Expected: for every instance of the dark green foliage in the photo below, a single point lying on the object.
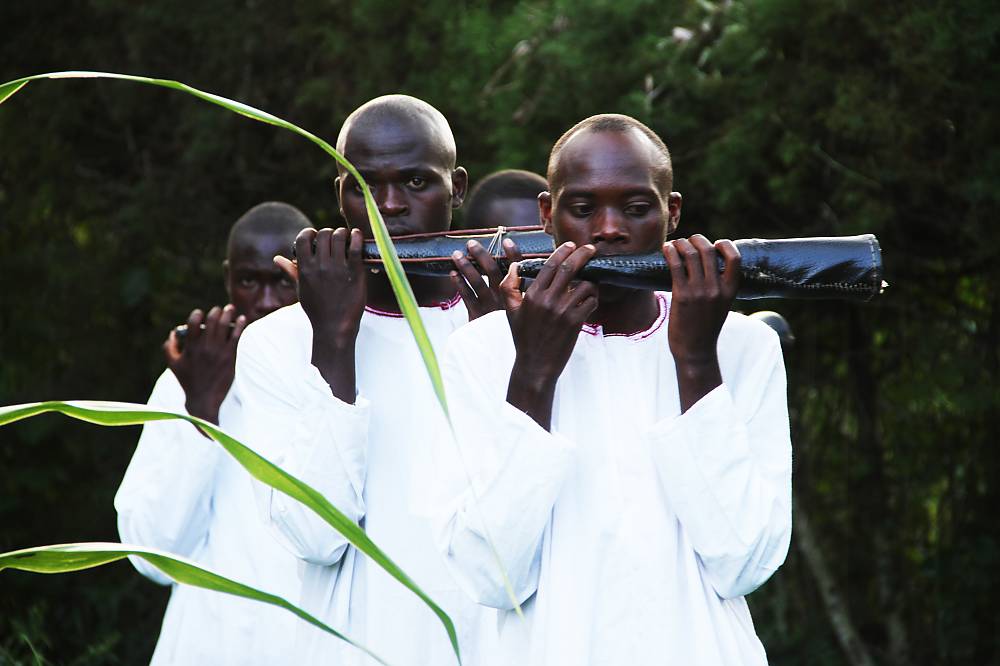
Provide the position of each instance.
(784, 118)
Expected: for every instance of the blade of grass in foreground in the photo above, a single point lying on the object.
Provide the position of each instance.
(400, 285)
(393, 268)
(67, 557)
(124, 413)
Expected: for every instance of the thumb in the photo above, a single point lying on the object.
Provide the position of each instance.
(290, 268)
(171, 349)
(510, 288)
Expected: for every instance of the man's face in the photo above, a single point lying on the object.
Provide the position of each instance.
(511, 212)
(410, 179)
(609, 195)
(255, 285)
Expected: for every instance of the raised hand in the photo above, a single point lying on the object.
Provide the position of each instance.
(207, 363)
(545, 322)
(700, 302)
(481, 297)
(332, 291)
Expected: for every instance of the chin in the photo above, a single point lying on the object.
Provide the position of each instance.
(612, 293)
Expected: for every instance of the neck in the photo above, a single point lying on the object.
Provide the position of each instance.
(624, 310)
(427, 290)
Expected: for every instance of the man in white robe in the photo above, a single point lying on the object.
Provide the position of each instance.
(629, 449)
(182, 493)
(334, 391)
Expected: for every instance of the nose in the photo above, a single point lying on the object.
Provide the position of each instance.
(391, 201)
(269, 301)
(608, 228)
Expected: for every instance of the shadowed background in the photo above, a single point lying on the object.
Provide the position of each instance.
(785, 118)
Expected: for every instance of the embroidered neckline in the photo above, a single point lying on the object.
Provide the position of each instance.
(664, 311)
(443, 305)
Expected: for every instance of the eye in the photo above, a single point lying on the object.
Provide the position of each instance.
(285, 282)
(637, 209)
(247, 283)
(580, 209)
(417, 183)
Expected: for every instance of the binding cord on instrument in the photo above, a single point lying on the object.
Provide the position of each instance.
(495, 248)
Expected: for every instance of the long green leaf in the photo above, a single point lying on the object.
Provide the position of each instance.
(391, 264)
(125, 413)
(394, 269)
(67, 557)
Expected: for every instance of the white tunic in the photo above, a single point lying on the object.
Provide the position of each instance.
(367, 459)
(182, 493)
(631, 532)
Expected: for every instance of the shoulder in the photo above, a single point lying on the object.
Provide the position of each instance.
(275, 345)
(277, 329)
(747, 331)
(748, 347)
(167, 391)
(482, 342)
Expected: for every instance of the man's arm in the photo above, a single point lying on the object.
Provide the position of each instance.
(308, 418)
(205, 367)
(726, 468)
(517, 466)
(517, 470)
(332, 290)
(725, 462)
(545, 324)
(290, 416)
(165, 498)
(699, 304)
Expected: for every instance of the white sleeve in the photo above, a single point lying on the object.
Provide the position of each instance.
(290, 416)
(517, 469)
(165, 499)
(726, 467)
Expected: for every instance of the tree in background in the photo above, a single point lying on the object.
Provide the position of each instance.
(785, 118)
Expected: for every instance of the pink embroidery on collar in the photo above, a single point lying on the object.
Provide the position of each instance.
(444, 305)
(664, 307)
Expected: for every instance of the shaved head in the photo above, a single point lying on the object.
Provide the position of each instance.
(272, 219)
(404, 150)
(256, 286)
(617, 123)
(399, 115)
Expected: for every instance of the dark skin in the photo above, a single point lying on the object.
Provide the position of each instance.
(416, 187)
(608, 199)
(511, 212)
(206, 366)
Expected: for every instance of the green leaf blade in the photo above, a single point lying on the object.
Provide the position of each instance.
(71, 557)
(125, 414)
(8, 89)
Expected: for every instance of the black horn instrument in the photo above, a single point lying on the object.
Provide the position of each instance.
(839, 267)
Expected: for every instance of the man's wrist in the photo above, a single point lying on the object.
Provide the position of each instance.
(334, 340)
(529, 379)
(204, 409)
(697, 365)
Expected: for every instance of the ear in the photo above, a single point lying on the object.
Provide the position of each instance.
(340, 200)
(459, 186)
(225, 278)
(545, 211)
(674, 201)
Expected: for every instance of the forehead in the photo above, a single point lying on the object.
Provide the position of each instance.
(256, 251)
(600, 161)
(392, 145)
(512, 212)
